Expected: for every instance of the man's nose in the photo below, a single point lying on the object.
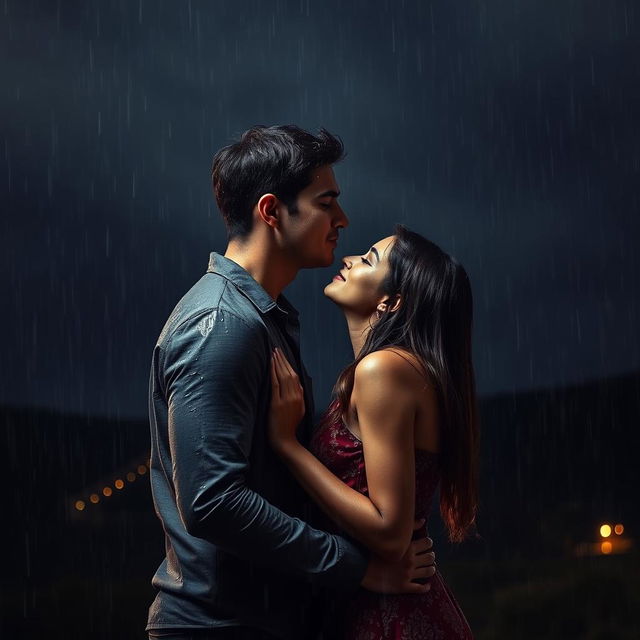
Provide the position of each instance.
(341, 219)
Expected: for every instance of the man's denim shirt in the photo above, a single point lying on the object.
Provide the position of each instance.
(238, 551)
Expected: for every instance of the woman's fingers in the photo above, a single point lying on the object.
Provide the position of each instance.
(421, 545)
(416, 587)
(288, 377)
(294, 381)
(275, 382)
(279, 366)
(282, 362)
(423, 572)
(288, 366)
(294, 375)
(279, 371)
(425, 559)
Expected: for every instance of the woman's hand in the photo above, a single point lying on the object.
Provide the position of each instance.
(287, 402)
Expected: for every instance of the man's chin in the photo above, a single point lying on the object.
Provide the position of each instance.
(329, 260)
(320, 263)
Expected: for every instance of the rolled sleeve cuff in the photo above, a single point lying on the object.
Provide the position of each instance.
(348, 572)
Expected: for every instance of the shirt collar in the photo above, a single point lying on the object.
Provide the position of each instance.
(232, 271)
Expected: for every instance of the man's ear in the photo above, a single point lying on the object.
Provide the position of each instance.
(267, 210)
(390, 305)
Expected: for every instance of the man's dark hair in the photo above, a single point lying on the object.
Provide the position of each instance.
(276, 160)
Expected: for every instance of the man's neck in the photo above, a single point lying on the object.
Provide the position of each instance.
(267, 266)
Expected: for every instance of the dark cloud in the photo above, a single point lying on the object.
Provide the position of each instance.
(506, 133)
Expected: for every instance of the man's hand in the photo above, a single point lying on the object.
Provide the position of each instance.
(417, 564)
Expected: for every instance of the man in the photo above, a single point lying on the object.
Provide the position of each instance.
(241, 560)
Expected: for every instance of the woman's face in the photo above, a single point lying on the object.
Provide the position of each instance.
(358, 285)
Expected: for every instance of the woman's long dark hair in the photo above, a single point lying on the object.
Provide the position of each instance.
(433, 322)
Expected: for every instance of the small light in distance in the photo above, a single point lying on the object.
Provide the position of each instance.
(142, 469)
(619, 529)
(605, 531)
(118, 484)
(131, 477)
(95, 498)
(107, 491)
(80, 505)
(606, 547)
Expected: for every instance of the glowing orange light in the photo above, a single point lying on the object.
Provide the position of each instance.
(118, 484)
(606, 547)
(80, 505)
(95, 498)
(131, 477)
(107, 491)
(605, 531)
(619, 529)
(142, 469)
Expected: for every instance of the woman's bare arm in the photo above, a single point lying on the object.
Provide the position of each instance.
(384, 397)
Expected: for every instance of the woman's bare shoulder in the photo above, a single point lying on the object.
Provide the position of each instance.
(392, 364)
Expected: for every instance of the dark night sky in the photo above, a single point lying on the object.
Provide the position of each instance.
(506, 131)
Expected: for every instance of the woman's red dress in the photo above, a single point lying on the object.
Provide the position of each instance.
(434, 615)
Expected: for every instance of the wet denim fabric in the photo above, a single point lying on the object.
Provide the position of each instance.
(239, 550)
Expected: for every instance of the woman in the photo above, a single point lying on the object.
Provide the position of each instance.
(403, 421)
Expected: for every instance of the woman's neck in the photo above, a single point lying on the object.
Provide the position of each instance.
(359, 329)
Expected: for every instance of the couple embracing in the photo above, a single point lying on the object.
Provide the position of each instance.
(276, 527)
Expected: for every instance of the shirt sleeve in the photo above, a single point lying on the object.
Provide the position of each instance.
(214, 368)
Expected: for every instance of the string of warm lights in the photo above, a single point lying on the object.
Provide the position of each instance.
(118, 484)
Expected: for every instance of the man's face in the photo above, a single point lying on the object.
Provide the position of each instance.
(310, 236)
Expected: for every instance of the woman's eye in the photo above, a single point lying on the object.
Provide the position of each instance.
(325, 205)
(366, 261)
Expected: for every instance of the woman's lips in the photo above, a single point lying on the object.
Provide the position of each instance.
(339, 277)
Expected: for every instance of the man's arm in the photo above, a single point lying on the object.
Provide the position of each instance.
(213, 369)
